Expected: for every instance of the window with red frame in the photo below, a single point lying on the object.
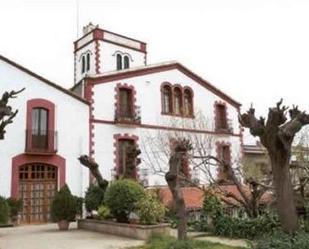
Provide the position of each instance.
(167, 99)
(221, 123)
(177, 101)
(188, 103)
(123, 149)
(125, 102)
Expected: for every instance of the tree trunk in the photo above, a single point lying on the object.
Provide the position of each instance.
(174, 184)
(284, 193)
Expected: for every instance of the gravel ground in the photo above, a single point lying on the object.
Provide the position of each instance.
(48, 236)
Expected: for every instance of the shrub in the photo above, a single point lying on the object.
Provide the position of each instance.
(283, 241)
(4, 211)
(122, 196)
(104, 212)
(150, 210)
(63, 206)
(94, 197)
(225, 225)
(79, 205)
(16, 205)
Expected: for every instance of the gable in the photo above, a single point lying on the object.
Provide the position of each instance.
(148, 70)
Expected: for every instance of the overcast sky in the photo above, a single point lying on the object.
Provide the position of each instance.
(254, 50)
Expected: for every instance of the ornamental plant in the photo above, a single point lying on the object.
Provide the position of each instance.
(4, 211)
(122, 197)
(104, 212)
(94, 197)
(63, 206)
(150, 210)
(16, 205)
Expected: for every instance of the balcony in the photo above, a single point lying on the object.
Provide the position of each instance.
(41, 142)
(128, 118)
(225, 127)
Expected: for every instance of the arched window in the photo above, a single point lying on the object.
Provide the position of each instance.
(126, 62)
(83, 64)
(177, 101)
(188, 103)
(119, 62)
(88, 62)
(167, 99)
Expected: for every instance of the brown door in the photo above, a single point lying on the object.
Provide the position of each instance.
(37, 186)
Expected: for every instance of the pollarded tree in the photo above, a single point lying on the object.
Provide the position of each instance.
(277, 134)
(6, 113)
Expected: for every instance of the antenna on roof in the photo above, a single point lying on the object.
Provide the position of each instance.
(77, 19)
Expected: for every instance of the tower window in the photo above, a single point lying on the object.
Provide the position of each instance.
(119, 62)
(167, 99)
(126, 62)
(88, 62)
(85, 63)
(188, 103)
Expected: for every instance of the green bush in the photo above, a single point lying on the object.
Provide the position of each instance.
(4, 211)
(104, 212)
(79, 205)
(16, 205)
(94, 197)
(223, 224)
(283, 241)
(150, 210)
(122, 196)
(63, 206)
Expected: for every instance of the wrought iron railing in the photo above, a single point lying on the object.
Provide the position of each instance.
(40, 141)
(125, 117)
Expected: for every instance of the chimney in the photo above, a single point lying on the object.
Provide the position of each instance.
(88, 28)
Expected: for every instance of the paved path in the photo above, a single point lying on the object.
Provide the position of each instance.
(47, 236)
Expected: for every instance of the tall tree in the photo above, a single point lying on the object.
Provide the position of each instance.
(6, 113)
(277, 134)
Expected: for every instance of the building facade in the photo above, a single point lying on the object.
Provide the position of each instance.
(136, 103)
(117, 101)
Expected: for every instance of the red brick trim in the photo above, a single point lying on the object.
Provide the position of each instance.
(117, 97)
(219, 146)
(23, 159)
(97, 57)
(118, 137)
(50, 107)
(162, 68)
(40, 78)
(169, 128)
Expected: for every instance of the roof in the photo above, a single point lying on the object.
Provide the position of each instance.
(254, 149)
(194, 197)
(155, 68)
(27, 71)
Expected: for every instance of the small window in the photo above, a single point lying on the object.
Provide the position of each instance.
(125, 102)
(83, 64)
(225, 155)
(221, 117)
(124, 167)
(188, 103)
(119, 62)
(177, 101)
(39, 128)
(126, 62)
(167, 99)
(88, 62)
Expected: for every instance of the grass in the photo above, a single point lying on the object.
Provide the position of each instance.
(166, 242)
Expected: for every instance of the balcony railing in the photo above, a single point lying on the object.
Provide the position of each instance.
(226, 128)
(41, 142)
(130, 118)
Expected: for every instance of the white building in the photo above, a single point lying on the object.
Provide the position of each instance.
(117, 99)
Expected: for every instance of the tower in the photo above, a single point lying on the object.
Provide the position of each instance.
(99, 51)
